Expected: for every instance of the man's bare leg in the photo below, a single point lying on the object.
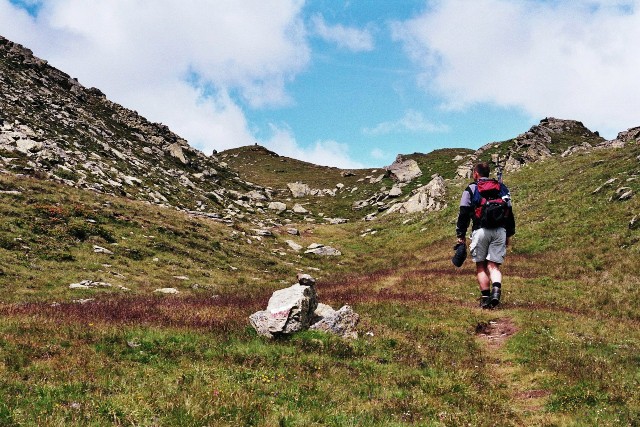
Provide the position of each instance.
(494, 272)
(483, 275)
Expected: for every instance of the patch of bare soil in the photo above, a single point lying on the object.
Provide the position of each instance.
(496, 332)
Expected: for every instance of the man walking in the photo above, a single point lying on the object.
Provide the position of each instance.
(487, 203)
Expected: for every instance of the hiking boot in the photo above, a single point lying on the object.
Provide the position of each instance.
(495, 296)
(485, 303)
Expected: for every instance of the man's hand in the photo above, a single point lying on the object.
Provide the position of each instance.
(461, 240)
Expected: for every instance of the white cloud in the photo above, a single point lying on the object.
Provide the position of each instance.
(412, 121)
(566, 59)
(377, 154)
(327, 153)
(174, 62)
(350, 38)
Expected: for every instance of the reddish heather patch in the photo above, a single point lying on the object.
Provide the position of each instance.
(359, 295)
(435, 272)
(221, 313)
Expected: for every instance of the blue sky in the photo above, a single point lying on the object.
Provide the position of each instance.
(346, 83)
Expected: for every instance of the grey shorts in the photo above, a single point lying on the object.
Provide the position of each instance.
(489, 245)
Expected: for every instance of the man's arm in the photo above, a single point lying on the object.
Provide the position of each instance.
(510, 226)
(464, 215)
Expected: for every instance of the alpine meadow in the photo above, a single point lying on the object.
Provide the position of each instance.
(130, 263)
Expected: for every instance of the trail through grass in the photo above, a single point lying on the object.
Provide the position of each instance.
(570, 314)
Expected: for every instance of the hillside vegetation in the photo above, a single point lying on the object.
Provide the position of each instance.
(130, 263)
(258, 165)
(566, 352)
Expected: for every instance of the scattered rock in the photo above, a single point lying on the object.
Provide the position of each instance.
(88, 284)
(342, 322)
(607, 183)
(465, 170)
(293, 245)
(262, 232)
(181, 277)
(623, 138)
(167, 291)
(324, 251)
(100, 250)
(371, 216)
(336, 221)
(375, 180)
(634, 223)
(395, 191)
(175, 150)
(299, 189)
(297, 208)
(27, 146)
(305, 279)
(622, 193)
(293, 231)
(277, 206)
(133, 343)
(585, 146)
(404, 170)
(297, 308)
(289, 310)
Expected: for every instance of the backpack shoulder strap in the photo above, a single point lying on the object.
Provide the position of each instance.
(469, 190)
(476, 198)
(504, 192)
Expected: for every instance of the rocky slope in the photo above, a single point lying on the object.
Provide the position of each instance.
(53, 127)
(550, 137)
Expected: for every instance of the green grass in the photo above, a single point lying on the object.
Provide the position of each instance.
(570, 290)
(258, 165)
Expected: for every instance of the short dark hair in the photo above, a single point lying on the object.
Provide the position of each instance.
(483, 169)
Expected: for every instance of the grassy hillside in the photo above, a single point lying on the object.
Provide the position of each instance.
(260, 166)
(561, 350)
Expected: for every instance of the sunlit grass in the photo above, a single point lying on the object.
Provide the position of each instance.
(138, 358)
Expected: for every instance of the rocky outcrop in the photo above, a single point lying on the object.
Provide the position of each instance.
(550, 137)
(430, 197)
(289, 310)
(585, 146)
(404, 170)
(465, 170)
(299, 189)
(628, 136)
(297, 308)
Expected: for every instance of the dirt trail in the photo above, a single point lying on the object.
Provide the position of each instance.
(494, 335)
(496, 332)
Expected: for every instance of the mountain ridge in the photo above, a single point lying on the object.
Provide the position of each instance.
(88, 336)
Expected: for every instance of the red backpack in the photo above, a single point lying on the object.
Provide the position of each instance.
(490, 202)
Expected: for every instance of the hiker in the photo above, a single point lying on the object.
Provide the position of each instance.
(487, 203)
